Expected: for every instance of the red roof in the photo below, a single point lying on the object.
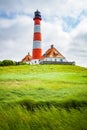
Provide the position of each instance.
(27, 58)
(52, 52)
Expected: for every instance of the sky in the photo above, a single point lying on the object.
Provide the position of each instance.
(64, 24)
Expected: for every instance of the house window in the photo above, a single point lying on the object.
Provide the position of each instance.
(61, 60)
(45, 55)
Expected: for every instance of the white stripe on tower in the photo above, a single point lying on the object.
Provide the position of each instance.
(36, 44)
(37, 28)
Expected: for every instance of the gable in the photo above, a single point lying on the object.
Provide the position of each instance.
(52, 52)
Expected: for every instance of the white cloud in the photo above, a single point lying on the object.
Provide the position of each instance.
(15, 37)
(78, 45)
(49, 8)
(53, 34)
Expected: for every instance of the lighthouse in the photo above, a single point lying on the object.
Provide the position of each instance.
(37, 50)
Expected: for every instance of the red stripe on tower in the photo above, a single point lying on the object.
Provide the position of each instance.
(37, 50)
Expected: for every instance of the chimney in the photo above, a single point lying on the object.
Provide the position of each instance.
(51, 46)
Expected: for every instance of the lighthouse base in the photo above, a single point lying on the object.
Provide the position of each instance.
(35, 61)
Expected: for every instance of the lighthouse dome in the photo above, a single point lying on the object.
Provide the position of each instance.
(37, 14)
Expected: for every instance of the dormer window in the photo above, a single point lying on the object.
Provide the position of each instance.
(55, 53)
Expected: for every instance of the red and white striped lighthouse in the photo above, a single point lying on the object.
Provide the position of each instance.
(37, 50)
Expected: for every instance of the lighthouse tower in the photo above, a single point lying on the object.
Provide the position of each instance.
(37, 50)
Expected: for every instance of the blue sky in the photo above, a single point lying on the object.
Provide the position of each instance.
(64, 24)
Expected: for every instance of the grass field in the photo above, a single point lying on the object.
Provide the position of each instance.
(43, 97)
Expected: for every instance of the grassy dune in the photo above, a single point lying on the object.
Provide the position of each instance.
(43, 97)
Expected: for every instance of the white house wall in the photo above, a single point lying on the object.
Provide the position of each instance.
(55, 59)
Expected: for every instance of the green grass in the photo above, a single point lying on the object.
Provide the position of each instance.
(43, 97)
